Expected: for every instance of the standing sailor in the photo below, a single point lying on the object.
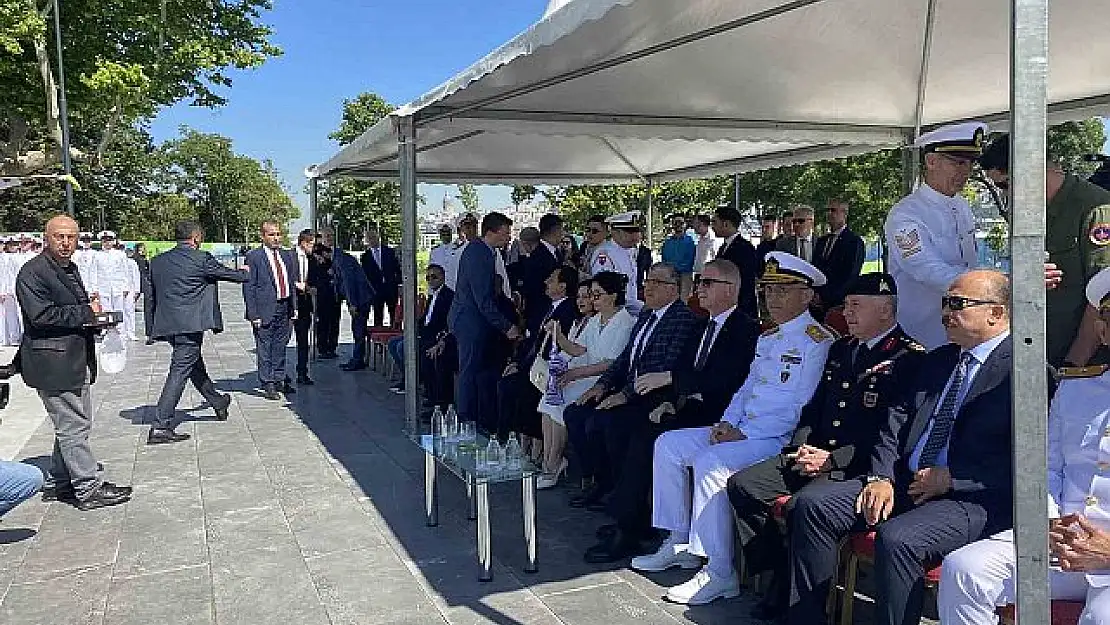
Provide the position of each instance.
(619, 254)
(112, 274)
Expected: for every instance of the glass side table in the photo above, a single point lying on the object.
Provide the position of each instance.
(462, 458)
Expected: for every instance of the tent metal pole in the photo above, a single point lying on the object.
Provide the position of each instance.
(1028, 95)
(650, 221)
(923, 75)
(313, 199)
(736, 192)
(406, 153)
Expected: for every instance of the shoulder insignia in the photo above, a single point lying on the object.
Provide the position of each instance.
(602, 258)
(1100, 234)
(817, 333)
(908, 242)
(1091, 371)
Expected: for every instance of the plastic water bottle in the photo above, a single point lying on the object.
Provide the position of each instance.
(513, 454)
(493, 454)
(452, 422)
(437, 423)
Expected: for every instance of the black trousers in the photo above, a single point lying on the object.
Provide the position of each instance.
(478, 376)
(383, 304)
(148, 308)
(186, 364)
(630, 503)
(302, 327)
(270, 341)
(438, 375)
(600, 439)
(327, 323)
(824, 512)
(517, 403)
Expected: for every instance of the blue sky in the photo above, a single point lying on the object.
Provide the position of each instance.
(336, 49)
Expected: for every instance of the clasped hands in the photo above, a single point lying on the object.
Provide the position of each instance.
(725, 432)
(1078, 544)
(810, 461)
(598, 392)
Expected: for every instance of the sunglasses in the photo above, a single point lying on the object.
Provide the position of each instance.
(595, 230)
(958, 302)
(800, 221)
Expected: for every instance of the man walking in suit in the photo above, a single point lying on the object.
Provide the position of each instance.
(941, 471)
(598, 423)
(379, 261)
(759, 420)
(694, 393)
(186, 302)
(475, 320)
(865, 373)
(271, 305)
(307, 281)
(800, 243)
(57, 357)
(726, 224)
(839, 255)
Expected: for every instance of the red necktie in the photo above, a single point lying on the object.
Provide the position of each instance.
(282, 292)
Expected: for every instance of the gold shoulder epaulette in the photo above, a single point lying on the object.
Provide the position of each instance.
(1090, 371)
(818, 333)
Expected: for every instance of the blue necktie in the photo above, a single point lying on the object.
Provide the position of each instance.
(946, 416)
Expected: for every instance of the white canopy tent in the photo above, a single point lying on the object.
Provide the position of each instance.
(655, 90)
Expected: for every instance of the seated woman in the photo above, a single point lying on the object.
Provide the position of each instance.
(595, 348)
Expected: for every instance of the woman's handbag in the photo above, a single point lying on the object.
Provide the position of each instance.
(538, 375)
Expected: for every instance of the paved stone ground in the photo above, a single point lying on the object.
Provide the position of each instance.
(307, 512)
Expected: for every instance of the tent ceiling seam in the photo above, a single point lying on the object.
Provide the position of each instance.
(622, 157)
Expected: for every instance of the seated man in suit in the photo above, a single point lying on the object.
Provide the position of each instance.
(431, 329)
(598, 424)
(942, 466)
(864, 373)
(757, 423)
(981, 576)
(698, 389)
(517, 397)
(839, 255)
(271, 304)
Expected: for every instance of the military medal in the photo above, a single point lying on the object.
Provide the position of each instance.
(870, 400)
(785, 376)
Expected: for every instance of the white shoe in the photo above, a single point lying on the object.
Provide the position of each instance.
(668, 556)
(705, 587)
(551, 480)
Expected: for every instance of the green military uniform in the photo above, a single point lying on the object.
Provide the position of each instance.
(1078, 242)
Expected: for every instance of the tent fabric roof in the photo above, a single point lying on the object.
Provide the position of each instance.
(627, 90)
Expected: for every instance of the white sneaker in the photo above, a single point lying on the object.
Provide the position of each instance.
(668, 556)
(705, 587)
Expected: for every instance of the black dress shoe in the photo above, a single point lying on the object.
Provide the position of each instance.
(288, 388)
(617, 548)
(221, 408)
(63, 493)
(108, 494)
(150, 341)
(162, 437)
(353, 366)
(600, 504)
(590, 497)
(270, 391)
(768, 611)
(304, 380)
(605, 532)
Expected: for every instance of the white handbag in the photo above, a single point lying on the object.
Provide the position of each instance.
(540, 373)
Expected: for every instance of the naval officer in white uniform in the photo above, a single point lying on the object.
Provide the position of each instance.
(977, 578)
(931, 232)
(756, 425)
(619, 254)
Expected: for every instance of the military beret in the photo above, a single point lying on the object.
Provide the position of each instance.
(875, 283)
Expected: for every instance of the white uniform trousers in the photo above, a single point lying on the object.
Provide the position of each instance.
(981, 576)
(708, 521)
(129, 317)
(13, 322)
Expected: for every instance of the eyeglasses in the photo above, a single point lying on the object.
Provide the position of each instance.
(958, 302)
(657, 281)
(801, 220)
(957, 160)
(596, 230)
(712, 281)
(598, 294)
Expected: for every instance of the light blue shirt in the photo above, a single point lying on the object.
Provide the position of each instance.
(979, 355)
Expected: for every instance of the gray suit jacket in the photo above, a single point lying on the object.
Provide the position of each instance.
(184, 292)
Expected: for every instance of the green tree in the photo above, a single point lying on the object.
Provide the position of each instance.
(1070, 141)
(468, 197)
(522, 193)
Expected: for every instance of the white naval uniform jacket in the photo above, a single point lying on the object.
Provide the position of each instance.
(87, 267)
(611, 257)
(1079, 454)
(112, 273)
(931, 241)
(787, 367)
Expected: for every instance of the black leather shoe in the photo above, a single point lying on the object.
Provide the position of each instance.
(598, 504)
(108, 494)
(304, 380)
(270, 391)
(605, 532)
(221, 408)
(150, 341)
(591, 496)
(617, 548)
(288, 388)
(161, 437)
(353, 366)
(63, 493)
(768, 611)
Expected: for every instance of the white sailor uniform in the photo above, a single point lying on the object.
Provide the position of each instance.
(611, 257)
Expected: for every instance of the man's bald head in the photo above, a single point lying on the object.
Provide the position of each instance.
(61, 237)
(976, 307)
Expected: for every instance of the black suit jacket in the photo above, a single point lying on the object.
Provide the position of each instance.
(528, 276)
(662, 352)
(853, 399)
(385, 279)
(841, 265)
(437, 324)
(726, 366)
(529, 349)
(980, 450)
(57, 351)
(314, 277)
(184, 293)
(742, 253)
(761, 250)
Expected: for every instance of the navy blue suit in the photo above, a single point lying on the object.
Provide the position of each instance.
(528, 276)
(476, 324)
(269, 312)
(352, 285)
(978, 505)
(742, 253)
(385, 279)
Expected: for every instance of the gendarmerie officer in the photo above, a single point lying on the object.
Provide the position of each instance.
(931, 232)
(864, 373)
(57, 357)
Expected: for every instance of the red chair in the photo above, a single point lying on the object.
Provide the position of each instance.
(379, 336)
(860, 547)
(1063, 613)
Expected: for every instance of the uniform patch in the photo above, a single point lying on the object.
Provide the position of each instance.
(784, 376)
(817, 333)
(870, 400)
(1100, 234)
(792, 359)
(908, 241)
(602, 258)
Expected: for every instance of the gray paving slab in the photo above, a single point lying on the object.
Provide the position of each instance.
(179, 597)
